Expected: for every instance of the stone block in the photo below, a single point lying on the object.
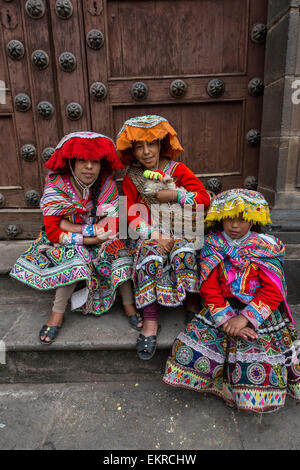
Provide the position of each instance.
(276, 51)
(290, 178)
(288, 200)
(268, 163)
(273, 109)
(277, 8)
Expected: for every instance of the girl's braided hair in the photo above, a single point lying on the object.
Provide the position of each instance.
(96, 188)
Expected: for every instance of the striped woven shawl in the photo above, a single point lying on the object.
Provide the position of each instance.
(58, 200)
(264, 251)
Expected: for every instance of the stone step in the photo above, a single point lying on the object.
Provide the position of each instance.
(11, 250)
(88, 348)
(131, 415)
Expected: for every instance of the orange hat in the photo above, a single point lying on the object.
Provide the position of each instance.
(147, 128)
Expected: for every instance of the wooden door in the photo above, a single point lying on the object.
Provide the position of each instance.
(89, 65)
(199, 64)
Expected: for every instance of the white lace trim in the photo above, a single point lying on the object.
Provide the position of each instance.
(281, 358)
(256, 357)
(220, 358)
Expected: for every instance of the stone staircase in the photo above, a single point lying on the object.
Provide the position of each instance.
(90, 391)
(87, 348)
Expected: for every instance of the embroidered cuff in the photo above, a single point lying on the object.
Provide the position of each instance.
(221, 314)
(181, 197)
(70, 238)
(89, 230)
(191, 198)
(255, 313)
(184, 197)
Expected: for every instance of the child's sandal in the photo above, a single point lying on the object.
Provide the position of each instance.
(134, 320)
(146, 345)
(50, 332)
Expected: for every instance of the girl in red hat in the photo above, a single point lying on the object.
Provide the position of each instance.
(78, 248)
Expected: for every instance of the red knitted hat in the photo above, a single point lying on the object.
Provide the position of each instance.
(85, 145)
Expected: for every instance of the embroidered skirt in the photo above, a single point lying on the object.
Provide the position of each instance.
(46, 266)
(162, 276)
(252, 375)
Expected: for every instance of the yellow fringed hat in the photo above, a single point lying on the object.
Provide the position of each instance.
(235, 202)
(147, 128)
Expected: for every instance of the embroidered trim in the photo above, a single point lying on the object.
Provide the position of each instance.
(71, 238)
(89, 230)
(221, 314)
(256, 357)
(256, 313)
(201, 348)
(181, 198)
(82, 135)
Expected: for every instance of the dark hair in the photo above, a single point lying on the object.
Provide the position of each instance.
(97, 186)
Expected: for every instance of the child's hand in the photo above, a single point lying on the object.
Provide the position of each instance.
(165, 243)
(104, 236)
(247, 334)
(234, 325)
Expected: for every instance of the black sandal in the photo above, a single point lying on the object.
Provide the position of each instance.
(50, 332)
(146, 346)
(134, 320)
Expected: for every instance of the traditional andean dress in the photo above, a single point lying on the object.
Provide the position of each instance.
(246, 277)
(58, 258)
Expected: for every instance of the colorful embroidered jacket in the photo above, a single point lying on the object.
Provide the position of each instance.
(182, 176)
(250, 273)
(61, 201)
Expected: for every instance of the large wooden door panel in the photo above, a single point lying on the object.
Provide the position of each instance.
(91, 64)
(159, 37)
(196, 63)
(211, 133)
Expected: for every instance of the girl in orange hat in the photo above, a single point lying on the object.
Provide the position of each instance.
(165, 270)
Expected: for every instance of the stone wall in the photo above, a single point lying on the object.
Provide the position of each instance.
(279, 171)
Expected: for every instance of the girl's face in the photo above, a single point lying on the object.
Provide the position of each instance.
(236, 228)
(87, 170)
(147, 153)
